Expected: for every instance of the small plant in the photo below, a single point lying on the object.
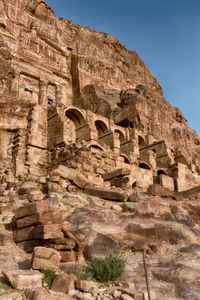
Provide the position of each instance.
(108, 269)
(84, 274)
(125, 208)
(5, 287)
(48, 278)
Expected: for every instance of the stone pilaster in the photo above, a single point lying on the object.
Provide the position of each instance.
(14, 87)
(43, 93)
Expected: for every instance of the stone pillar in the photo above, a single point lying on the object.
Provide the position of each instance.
(14, 88)
(60, 95)
(43, 93)
(116, 143)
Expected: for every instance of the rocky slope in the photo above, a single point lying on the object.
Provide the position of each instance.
(169, 234)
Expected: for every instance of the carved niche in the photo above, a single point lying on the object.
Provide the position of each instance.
(29, 89)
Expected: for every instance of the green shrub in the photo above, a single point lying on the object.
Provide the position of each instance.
(125, 208)
(83, 273)
(48, 278)
(108, 269)
(5, 287)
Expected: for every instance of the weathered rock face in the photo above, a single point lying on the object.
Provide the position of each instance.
(62, 84)
(80, 113)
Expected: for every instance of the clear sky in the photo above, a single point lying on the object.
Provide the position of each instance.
(164, 33)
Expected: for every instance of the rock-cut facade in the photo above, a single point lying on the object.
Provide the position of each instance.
(75, 97)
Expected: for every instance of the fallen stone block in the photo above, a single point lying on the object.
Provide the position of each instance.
(69, 246)
(65, 172)
(94, 180)
(134, 197)
(24, 279)
(80, 180)
(33, 208)
(24, 234)
(45, 218)
(126, 297)
(45, 259)
(68, 256)
(116, 173)
(159, 190)
(105, 193)
(6, 238)
(134, 294)
(43, 294)
(86, 286)
(51, 231)
(60, 244)
(5, 210)
(64, 283)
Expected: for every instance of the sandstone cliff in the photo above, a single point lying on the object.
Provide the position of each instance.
(83, 123)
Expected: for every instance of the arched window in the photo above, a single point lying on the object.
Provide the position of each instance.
(159, 172)
(101, 128)
(126, 160)
(76, 116)
(96, 147)
(121, 136)
(143, 165)
(141, 142)
(104, 135)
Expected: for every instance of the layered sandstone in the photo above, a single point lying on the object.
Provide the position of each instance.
(84, 124)
(62, 84)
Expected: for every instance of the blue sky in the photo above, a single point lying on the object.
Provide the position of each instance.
(164, 33)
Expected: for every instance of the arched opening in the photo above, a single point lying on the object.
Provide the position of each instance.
(121, 136)
(145, 166)
(96, 147)
(76, 116)
(101, 128)
(105, 137)
(134, 184)
(141, 142)
(126, 160)
(158, 178)
(161, 172)
(76, 126)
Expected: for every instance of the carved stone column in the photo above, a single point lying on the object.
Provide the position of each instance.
(59, 95)
(43, 93)
(14, 87)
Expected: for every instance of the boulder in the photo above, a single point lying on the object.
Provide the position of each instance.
(43, 294)
(87, 286)
(45, 259)
(116, 173)
(49, 217)
(34, 208)
(106, 193)
(80, 180)
(51, 231)
(64, 172)
(68, 256)
(24, 279)
(6, 238)
(159, 190)
(64, 283)
(6, 209)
